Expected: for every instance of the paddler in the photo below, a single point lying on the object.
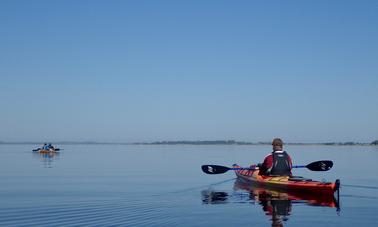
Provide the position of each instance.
(51, 147)
(45, 147)
(278, 163)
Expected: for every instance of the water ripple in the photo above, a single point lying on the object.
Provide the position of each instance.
(360, 186)
(114, 212)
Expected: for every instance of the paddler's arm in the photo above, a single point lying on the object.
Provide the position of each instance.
(266, 165)
(254, 166)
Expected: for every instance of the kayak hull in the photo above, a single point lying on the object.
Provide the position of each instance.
(264, 194)
(286, 183)
(47, 151)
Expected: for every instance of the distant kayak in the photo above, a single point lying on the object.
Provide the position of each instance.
(286, 182)
(43, 151)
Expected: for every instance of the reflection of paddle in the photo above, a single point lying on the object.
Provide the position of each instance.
(314, 166)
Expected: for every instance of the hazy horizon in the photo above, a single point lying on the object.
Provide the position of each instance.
(130, 71)
(199, 142)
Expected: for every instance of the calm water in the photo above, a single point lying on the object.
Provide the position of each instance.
(164, 186)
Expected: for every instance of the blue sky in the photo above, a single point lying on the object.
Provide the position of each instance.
(131, 71)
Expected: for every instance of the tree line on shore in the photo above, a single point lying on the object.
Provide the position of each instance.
(201, 142)
(233, 142)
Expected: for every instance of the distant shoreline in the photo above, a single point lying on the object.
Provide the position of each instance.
(199, 142)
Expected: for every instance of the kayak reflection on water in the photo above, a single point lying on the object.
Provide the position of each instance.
(276, 204)
(47, 158)
(278, 209)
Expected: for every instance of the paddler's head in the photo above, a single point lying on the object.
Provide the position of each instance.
(277, 144)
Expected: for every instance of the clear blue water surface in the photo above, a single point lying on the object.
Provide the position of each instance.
(163, 185)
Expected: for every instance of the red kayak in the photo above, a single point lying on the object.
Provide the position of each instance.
(262, 193)
(287, 183)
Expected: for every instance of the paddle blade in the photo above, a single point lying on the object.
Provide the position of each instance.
(214, 169)
(324, 165)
